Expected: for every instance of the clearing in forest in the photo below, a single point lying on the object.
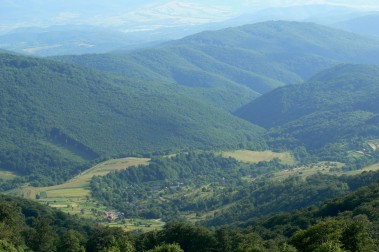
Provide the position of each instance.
(258, 156)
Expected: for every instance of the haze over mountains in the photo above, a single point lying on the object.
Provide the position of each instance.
(78, 28)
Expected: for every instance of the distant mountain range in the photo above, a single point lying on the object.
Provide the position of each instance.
(365, 24)
(230, 67)
(63, 30)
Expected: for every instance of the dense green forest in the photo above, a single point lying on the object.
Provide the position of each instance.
(333, 108)
(230, 67)
(348, 223)
(56, 119)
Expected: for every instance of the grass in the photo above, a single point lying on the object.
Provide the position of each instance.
(308, 170)
(374, 144)
(138, 224)
(7, 175)
(258, 156)
(322, 167)
(78, 187)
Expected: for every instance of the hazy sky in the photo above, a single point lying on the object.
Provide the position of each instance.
(24, 13)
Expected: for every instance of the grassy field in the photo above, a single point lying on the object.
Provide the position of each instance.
(78, 187)
(322, 167)
(258, 156)
(374, 144)
(7, 175)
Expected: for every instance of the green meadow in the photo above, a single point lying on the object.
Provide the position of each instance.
(258, 156)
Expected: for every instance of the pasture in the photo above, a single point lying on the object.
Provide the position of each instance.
(249, 156)
(7, 175)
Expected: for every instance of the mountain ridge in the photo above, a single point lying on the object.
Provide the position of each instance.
(245, 61)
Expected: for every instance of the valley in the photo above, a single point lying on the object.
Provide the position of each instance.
(258, 138)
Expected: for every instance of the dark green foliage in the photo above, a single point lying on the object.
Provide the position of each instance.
(167, 248)
(56, 119)
(138, 191)
(268, 197)
(72, 241)
(110, 239)
(338, 234)
(228, 67)
(336, 105)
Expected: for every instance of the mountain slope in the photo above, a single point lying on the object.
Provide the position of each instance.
(56, 117)
(338, 103)
(243, 61)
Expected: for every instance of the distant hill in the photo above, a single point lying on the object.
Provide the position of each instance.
(228, 67)
(56, 118)
(60, 40)
(325, 14)
(366, 24)
(339, 103)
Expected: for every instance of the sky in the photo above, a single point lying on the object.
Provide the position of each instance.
(116, 13)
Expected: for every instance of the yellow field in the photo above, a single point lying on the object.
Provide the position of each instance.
(258, 156)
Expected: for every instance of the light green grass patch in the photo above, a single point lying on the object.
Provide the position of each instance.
(7, 175)
(249, 156)
(139, 224)
(374, 144)
(308, 170)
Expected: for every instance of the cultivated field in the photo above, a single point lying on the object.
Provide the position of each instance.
(74, 196)
(258, 156)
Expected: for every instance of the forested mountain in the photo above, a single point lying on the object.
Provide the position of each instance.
(339, 103)
(55, 118)
(228, 67)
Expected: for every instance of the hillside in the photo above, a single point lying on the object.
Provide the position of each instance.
(229, 67)
(57, 118)
(339, 103)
